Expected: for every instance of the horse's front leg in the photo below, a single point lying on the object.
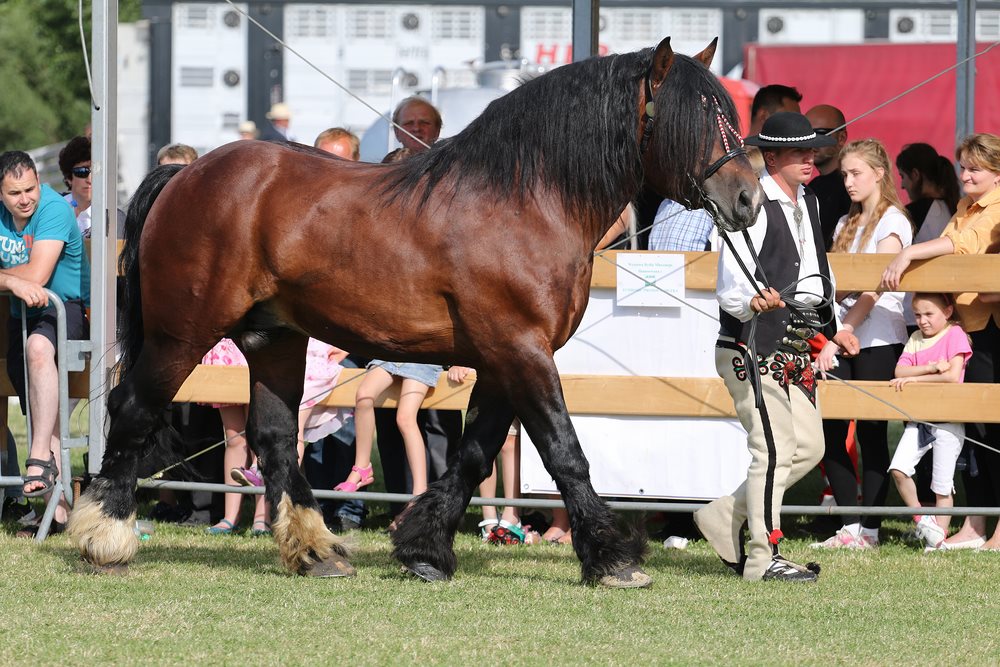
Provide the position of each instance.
(608, 556)
(423, 541)
(306, 545)
(102, 523)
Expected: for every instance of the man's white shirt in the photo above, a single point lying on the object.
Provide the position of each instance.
(734, 291)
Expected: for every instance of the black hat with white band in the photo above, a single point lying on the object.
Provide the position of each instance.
(787, 129)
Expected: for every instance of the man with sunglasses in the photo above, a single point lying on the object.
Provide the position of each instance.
(74, 163)
(828, 186)
(41, 244)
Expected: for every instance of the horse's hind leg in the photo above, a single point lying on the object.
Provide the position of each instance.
(102, 522)
(607, 555)
(277, 371)
(423, 540)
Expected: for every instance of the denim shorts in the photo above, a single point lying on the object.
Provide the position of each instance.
(423, 373)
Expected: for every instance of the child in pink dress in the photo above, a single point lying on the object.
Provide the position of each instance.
(238, 455)
(315, 422)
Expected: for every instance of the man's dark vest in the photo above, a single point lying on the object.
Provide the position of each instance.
(779, 256)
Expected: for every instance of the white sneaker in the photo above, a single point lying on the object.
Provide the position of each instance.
(842, 539)
(930, 531)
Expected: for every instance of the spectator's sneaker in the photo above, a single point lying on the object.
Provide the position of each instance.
(974, 543)
(197, 518)
(22, 512)
(842, 539)
(168, 513)
(247, 476)
(865, 542)
(930, 531)
(348, 523)
(785, 570)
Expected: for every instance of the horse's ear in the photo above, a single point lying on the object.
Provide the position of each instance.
(663, 58)
(705, 57)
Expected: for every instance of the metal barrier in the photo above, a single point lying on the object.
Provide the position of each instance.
(72, 356)
(545, 503)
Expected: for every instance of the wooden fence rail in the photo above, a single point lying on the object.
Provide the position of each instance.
(692, 397)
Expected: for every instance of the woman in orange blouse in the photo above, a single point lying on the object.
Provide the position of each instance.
(974, 230)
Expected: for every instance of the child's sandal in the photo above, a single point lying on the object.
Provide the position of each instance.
(366, 474)
(224, 527)
(486, 528)
(507, 533)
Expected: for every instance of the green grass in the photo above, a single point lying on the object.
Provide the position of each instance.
(226, 600)
(193, 598)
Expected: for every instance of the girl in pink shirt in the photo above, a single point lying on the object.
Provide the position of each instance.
(937, 352)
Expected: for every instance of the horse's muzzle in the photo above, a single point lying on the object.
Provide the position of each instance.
(742, 210)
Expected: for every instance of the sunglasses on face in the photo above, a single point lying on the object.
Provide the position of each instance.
(81, 172)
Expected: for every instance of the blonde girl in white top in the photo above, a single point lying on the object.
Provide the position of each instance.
(875, 223)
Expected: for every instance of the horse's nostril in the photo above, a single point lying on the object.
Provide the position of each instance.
(746, 199)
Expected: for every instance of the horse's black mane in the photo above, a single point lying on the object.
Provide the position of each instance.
(574, 131)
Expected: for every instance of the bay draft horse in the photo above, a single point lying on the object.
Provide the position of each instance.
(476, 252)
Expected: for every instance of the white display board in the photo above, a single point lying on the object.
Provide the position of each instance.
(656, 457)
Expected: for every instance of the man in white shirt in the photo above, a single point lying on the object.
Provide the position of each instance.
(784, 427)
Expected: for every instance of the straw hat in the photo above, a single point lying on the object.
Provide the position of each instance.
(248, 127)
(279, 111)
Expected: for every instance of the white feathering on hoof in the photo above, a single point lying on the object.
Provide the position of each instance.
(302, 536)
(101, 540)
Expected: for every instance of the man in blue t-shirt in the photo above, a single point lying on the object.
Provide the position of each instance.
(40, 246)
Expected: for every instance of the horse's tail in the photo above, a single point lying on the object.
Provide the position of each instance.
(165, 446)
(131, 334)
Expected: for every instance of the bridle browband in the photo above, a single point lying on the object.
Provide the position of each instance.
(726, 130)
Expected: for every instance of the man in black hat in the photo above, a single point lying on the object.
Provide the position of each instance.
(780, 412)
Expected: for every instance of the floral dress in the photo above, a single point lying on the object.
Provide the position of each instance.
(320, 379)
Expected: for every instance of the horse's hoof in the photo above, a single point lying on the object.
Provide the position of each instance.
(627, 577)
(334, 566)
(111, 570)
(425, 571)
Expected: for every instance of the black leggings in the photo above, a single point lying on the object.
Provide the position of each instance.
(873, 363)
(983, 490)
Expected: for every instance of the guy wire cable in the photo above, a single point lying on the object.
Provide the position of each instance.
(326, 76)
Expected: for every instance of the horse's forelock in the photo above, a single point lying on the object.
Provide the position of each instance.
(685, 126)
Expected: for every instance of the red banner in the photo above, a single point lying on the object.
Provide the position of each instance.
(857, 78)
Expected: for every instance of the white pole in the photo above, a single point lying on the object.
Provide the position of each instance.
(104, 232)
(586, 20)
(965, 76)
